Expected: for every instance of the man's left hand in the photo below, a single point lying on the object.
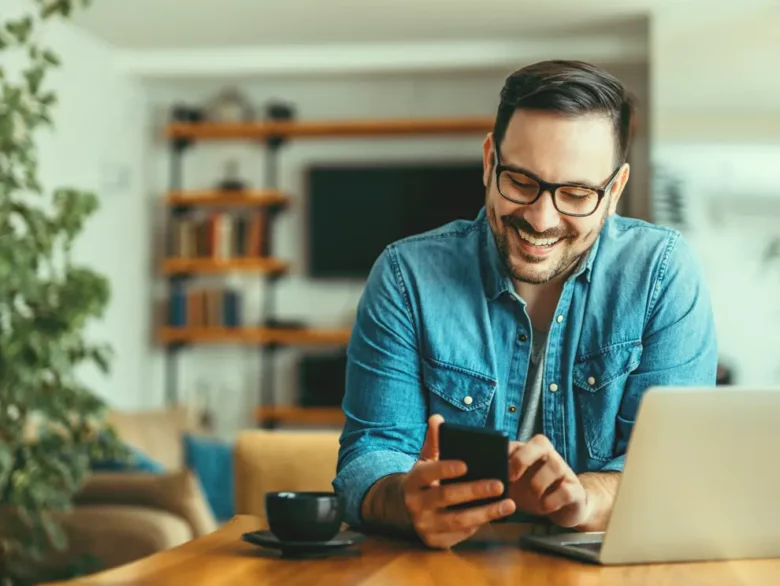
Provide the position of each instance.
(543, 484)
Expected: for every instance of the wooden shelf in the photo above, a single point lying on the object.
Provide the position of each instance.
(273, 266)
(300, 415)
(282, 336)
(246, 198)
(335, 128)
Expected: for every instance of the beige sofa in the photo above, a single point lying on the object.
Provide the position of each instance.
(123, 516)
(120, 517)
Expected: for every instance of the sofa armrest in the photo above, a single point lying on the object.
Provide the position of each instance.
(177, 492)
(120, 534)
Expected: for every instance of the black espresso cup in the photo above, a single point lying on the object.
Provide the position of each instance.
(304, 516)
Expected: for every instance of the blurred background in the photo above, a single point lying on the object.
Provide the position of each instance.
(704, 161)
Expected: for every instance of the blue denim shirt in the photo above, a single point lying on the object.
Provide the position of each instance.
(439, 321)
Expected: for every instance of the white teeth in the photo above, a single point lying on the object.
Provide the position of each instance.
(537, 241)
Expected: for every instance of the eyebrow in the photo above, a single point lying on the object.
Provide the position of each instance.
(535, 176)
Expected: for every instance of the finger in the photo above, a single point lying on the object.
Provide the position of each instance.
(564, 495)
(527, 455)
(473, 517)
(423, 474)
(462, 492)
(430, 449)
(552, 471)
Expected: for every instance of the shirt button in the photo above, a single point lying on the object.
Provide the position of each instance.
(512, 408)
(468, 400)
(553, 387)
(591, 381)
(559, 319)
(523, 337)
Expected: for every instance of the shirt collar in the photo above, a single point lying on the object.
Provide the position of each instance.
(496, 279)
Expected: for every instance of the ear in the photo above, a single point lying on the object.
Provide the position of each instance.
(487, 159)
(618, 185)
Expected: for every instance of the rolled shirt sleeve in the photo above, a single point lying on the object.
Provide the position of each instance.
(384, 403)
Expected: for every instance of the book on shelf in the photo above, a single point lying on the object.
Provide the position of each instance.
(218, 235)
(203, 308)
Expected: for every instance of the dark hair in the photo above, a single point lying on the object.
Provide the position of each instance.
(568, 87)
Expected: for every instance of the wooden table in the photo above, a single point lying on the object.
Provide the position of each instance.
(223, 559)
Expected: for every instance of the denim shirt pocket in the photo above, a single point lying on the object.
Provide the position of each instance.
(599, 380)
(457, 394)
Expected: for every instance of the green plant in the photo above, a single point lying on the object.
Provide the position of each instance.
(51, 424)
(772, 252)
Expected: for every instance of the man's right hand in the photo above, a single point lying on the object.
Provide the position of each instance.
(427, 500)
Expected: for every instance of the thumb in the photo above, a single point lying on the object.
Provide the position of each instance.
(430, 449)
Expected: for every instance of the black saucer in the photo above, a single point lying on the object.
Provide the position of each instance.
(303, 548)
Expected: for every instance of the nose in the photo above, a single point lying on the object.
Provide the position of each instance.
(542, 214)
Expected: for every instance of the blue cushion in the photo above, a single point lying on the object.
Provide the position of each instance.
(212, 461)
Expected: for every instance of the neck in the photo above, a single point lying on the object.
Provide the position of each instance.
(542, 300)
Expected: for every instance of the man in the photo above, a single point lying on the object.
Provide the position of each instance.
(546, 317)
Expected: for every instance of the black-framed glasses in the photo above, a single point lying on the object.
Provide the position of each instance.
(523, 187)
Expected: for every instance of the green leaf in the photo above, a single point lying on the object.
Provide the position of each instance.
(34, 78)
(6, 464)
(54, 532)
(44, 118)
(51, 58)
(48, 99)
(46, 302)
(52, 8)
(20, 29)
(102, 357)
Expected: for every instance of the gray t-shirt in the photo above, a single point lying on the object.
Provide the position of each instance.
(531, 413)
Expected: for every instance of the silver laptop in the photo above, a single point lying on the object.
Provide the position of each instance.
(701, 482)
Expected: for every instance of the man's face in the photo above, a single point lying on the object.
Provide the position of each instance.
(536, 242)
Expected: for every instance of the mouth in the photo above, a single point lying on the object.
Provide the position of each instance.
(535, 246)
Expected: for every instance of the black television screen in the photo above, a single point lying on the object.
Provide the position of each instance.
(355, 211)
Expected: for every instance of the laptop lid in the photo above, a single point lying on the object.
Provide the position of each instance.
(701, 479)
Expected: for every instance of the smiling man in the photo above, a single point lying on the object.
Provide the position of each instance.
(546, 317)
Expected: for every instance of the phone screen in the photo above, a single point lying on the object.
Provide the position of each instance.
(485, 452)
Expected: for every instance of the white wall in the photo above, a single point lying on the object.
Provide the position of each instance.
(733, 211)
(716, 124)
(97, 139)
(714, 72)
(232, 373)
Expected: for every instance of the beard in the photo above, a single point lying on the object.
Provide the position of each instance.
(525, 268)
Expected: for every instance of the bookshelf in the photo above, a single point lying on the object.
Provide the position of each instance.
(203, 266)
(254, 198)
(259, 335)
(329, 129)
(249, 248)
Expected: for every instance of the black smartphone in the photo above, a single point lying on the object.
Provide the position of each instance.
(485, 452)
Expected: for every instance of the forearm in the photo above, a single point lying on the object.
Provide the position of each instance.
(600, 488)
(384, 508)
